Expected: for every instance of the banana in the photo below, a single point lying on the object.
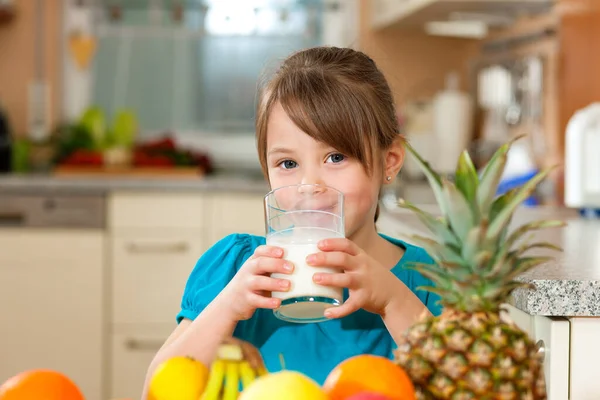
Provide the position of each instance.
(230, 351)
(232, 381)
(236, 362)
(247, 373)
(215, 381)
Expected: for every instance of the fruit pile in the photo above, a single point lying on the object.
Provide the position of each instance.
(239, 373)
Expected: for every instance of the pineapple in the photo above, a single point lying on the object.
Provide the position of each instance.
(469, 352)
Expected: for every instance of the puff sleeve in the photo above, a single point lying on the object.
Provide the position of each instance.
(213, 271)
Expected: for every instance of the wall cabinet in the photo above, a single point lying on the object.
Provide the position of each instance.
(417, 13)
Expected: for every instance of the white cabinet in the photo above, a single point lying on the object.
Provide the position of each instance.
(155, 240)
(51, 304)
(236, 213)
(552, 334)
(149, 273)
(137, 211)
(585, 353)
(132, 350)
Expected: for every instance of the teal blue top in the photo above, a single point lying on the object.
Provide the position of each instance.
(313, 349)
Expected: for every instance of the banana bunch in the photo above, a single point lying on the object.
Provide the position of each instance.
(236, 362)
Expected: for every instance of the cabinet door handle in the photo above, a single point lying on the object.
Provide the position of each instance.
(12, 219)
(176, 247)
(143, 344)
(541, 349)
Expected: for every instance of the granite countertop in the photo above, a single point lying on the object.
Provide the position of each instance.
(40, 184)
(567, 286)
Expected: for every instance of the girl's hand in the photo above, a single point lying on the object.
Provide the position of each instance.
(371, 286)
(251, 287)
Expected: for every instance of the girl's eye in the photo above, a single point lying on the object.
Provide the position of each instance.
(336, 158)
(288, 164)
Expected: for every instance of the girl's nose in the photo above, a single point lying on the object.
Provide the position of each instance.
(311, 178)
(311, 188)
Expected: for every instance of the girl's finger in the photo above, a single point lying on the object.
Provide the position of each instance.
(258, 301)
(263, 265)
(339, 244)
(336, 280)
(268, 284)
(268, 251)
(333, 259)
(341, 311)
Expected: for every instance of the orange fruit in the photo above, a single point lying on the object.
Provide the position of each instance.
(368, 373)
(40, 384)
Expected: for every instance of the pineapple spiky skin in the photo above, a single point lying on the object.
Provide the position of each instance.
(469, 351)
(464, 356)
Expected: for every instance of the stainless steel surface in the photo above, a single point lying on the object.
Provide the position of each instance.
(52, 211)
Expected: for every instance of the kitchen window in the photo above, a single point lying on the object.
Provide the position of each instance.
(194, 65)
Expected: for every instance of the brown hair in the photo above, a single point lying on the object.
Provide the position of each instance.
(337, 96)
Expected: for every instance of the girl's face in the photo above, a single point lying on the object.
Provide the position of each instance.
(293, 157)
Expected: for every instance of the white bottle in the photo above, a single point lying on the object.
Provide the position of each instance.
(452, 124)
(582, 163)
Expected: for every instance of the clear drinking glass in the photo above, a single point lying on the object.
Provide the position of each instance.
(297, 217)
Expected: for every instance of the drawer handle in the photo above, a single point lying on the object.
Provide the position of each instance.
(12, 219)
(179, 247)
(143, 345)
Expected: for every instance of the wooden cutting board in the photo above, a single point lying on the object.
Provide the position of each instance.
(129, 172)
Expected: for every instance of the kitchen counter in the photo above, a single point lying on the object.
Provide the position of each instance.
(226, 181)
(568, 286)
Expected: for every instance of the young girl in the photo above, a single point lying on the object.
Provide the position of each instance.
(327, 117)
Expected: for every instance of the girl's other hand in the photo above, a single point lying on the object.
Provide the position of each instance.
(251, 287)
(371, 286)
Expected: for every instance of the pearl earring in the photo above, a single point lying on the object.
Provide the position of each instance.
(388, 178)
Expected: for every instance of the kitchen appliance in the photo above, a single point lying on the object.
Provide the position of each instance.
(5, 143)
(452, 124)
(582, 164)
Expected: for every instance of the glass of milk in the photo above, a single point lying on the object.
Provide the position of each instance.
(297, 217)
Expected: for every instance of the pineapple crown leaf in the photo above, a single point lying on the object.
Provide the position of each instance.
(466, 180)
(503, 218)
(433, 177)
(437, 226)
(537, 245)
(523, 265)
(490, 178)
(437, 250)
(447, 295)
(439, 276)
(474, 241)
(460, 214)
(531, 226)
(472, 249)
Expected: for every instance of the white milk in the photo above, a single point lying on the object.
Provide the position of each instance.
(297, 245)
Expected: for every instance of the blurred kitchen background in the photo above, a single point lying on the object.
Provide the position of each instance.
(127, 142)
